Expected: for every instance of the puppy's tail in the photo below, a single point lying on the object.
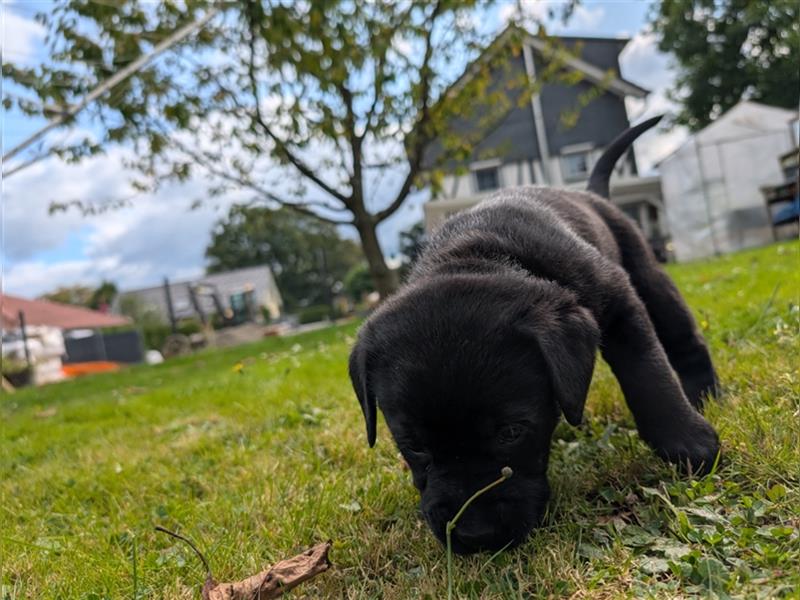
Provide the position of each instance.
(598, 181)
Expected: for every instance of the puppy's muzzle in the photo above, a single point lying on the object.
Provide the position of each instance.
(485, 527)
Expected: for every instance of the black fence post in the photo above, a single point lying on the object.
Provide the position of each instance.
(24, 330)
(196, 303)
(170, 308)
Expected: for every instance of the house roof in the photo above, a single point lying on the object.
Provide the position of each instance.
(55, 314)
(617, 85)
(744, 120)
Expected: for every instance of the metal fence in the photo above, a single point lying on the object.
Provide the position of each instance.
(123, 347)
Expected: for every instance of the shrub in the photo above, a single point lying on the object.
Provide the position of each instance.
(155, 334)
(312, 314)
(16, 372)
(358, 282)
(189, 326)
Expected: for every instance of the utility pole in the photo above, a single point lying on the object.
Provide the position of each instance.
(73, 109)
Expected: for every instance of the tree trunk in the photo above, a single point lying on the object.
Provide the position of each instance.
(384, 278)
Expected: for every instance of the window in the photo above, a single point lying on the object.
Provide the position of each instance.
(575, 166)
(632, 212)
(487, 179)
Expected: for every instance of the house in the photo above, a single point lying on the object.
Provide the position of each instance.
(239, 295)
(712, 184)
(55, 314)
(48, 335)
(532, 144)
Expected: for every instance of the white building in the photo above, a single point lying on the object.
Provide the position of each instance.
(242, 294)
(711, 185)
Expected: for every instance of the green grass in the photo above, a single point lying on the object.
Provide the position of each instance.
(255, 464)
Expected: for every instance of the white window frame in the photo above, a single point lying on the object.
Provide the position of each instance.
(574, 150)
(483, 165)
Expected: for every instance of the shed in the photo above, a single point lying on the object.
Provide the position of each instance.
(712, 184)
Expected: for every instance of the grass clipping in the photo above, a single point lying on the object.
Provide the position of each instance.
(269, 583)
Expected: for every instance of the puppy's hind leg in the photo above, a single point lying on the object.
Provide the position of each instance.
(673, 322)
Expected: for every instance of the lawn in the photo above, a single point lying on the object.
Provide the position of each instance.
(259, 451)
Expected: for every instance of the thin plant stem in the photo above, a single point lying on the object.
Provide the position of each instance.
(190, 544)
(505, 473)
(135, 572)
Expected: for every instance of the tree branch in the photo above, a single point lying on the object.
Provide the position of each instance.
(301, 207)
(356, 141)
(282, 146)
(422, 135)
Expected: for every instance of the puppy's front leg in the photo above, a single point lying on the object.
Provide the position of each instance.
(665, 418)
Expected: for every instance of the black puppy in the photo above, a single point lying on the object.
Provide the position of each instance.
(496, 332)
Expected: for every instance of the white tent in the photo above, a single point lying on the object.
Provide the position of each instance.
(711, 184)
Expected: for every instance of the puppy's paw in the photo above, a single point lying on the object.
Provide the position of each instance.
(694, 449)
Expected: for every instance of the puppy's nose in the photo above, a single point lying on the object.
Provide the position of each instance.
(478, 537)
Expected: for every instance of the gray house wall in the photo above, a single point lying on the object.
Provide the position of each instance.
(514, 136)
(511, 137)
(599, 122)
(601, 52)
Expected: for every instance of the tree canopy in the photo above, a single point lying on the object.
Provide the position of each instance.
(307, 105)
(99, 298)
(307, 256)
(729, 50)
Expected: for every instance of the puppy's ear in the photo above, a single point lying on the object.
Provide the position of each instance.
(568, 338)
(359, 376)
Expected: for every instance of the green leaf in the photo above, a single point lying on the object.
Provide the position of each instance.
(706, 515)
(591, 552)
(671, 548)
(653, 565)
(633, 535)
(776, 492)
(782, 532)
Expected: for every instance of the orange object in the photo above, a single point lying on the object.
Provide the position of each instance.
(87, 368)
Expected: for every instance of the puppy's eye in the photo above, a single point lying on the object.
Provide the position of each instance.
(510, 434)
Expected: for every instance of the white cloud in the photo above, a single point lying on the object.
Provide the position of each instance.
(533, 11)
(156, 236)
(134, 246)
(35, 277)
(23, 39)
(642, 63)
(585, 18)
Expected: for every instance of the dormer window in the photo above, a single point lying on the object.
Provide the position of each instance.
(487, 179)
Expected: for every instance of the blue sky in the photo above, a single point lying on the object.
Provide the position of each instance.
(158, 236)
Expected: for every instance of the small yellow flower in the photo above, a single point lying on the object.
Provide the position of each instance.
(704, 325)
(238, 368)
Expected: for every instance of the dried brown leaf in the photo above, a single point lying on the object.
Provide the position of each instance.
(275, 580)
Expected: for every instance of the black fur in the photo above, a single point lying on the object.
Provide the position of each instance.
(601, 173)
(495, 334)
